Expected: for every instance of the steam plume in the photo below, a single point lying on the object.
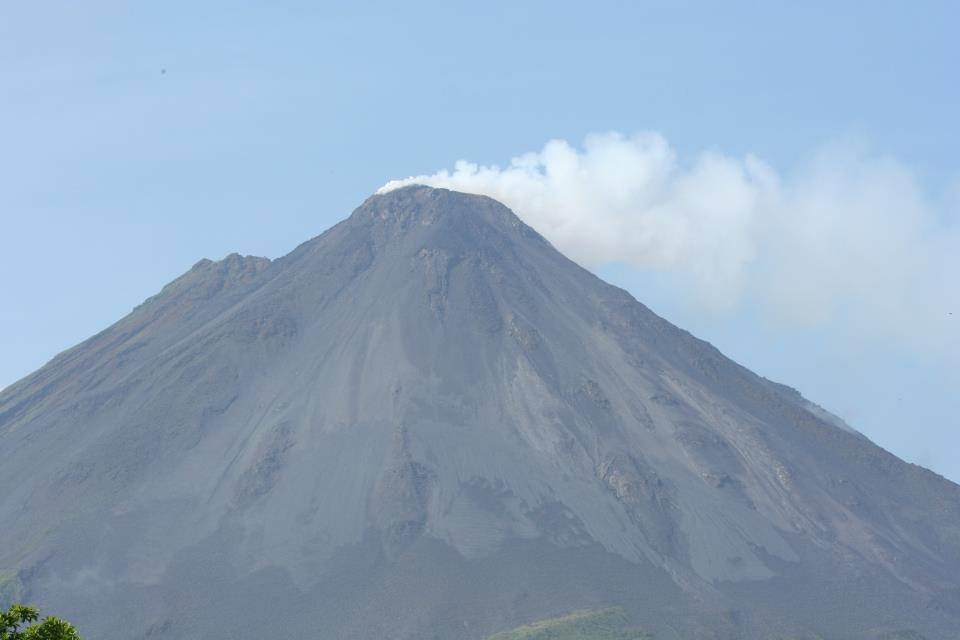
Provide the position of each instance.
(850, 238)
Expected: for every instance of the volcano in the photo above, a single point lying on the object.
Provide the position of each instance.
(427, 423)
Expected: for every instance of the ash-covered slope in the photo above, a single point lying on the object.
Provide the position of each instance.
(428, 423)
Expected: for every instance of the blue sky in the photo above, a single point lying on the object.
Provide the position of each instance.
(136, 138)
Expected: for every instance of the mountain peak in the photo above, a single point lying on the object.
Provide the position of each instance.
(423, 205)
(430, 415)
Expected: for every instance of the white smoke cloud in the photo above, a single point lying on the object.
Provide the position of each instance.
(850, 239)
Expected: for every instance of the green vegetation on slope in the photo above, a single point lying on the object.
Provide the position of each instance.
(606, 624)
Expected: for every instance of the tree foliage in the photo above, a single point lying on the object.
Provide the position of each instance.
(20, 622)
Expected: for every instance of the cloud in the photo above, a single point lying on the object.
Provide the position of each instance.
(849, 239)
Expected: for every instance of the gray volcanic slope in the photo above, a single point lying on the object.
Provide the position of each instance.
(428, 423)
